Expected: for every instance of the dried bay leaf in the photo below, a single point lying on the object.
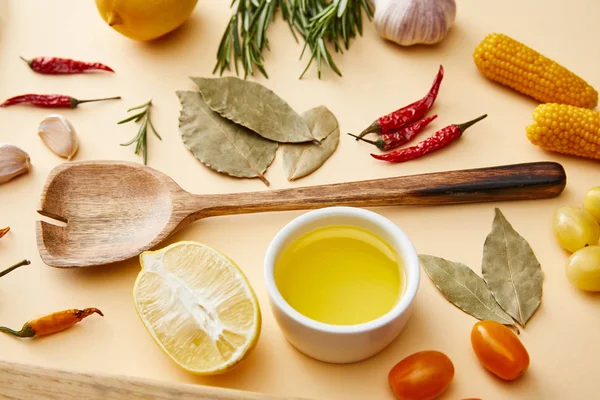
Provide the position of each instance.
(254, 106)
(464, 288)
(300, 160)
(221, 144)
(511, 270)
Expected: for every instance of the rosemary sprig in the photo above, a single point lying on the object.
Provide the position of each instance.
(326, 21)
(245, 36)
(318, 22)
(141, 139)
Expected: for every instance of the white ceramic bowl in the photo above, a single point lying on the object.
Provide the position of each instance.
(342, 343)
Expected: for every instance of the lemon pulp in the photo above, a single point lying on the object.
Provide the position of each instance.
(198, 307)
(340, 275)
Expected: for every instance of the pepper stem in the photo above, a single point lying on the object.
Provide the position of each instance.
(29, 62)
(463, 127)
(379, 143)
(373, 128)
(18, 265)
(25, 332)
(87, 312)
(92, 100)
(363, 139)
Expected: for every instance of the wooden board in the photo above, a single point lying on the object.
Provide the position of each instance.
(24, 382)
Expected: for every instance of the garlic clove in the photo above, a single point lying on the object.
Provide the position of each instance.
(59, 135)
(13, 162)
(409, 22)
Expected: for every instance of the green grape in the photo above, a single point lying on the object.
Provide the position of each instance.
(583, 269)
(575, 228)
(591, 202)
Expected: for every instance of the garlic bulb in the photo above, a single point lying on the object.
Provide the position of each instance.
(409, 22)
(59, 135)
(13, 162)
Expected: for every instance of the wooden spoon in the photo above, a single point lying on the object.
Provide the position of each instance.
(115, 210)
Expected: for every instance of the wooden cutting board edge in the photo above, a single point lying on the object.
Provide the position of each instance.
(27, 382)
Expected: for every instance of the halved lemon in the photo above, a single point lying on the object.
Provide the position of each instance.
(198, 306)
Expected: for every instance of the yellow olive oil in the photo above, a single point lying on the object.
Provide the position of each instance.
(341, 275)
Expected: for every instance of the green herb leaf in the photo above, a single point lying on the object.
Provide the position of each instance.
(342, 8)
(300, 160)
(511, 271)
(221, 144)
(141, 139)
(324, 21)
(252, 105)
(464, 288)
(245, 38)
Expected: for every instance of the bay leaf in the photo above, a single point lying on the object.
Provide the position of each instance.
(221, 144)
(464, 288)
(511, 270)
(254, 106)
(300, 160)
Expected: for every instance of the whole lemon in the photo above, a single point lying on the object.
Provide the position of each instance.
(145, 19)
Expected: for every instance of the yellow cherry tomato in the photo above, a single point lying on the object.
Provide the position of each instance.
(575, 228)
(591, 202)
(583, 269)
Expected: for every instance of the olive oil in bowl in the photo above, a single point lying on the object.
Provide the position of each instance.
(340, 275)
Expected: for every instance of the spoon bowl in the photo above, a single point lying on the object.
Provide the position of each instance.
(110, 211)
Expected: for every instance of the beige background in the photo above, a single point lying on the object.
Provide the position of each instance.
(562, 338)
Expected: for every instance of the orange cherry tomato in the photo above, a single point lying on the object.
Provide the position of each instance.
(499, 350)
(422, 376)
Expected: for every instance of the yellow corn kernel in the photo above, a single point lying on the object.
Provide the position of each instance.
(511, 63)
(566, 129)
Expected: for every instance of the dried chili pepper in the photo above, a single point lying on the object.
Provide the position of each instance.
(50, 100)
(52, 323)
(17, 265)
(440, 139)
(4, 231)
(57, 66)
(406, 115)
(389, 141)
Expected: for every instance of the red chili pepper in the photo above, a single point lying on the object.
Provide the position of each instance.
(439, 140)
(389, 141)
(50, 100)
(56, 66)
(405, 115)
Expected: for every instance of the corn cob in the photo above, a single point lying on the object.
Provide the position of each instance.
(504, 60)
(566, 129)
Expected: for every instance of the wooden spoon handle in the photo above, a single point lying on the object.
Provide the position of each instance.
(512, 182)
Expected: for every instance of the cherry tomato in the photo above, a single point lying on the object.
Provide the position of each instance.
(499, 350)
(422, 376)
